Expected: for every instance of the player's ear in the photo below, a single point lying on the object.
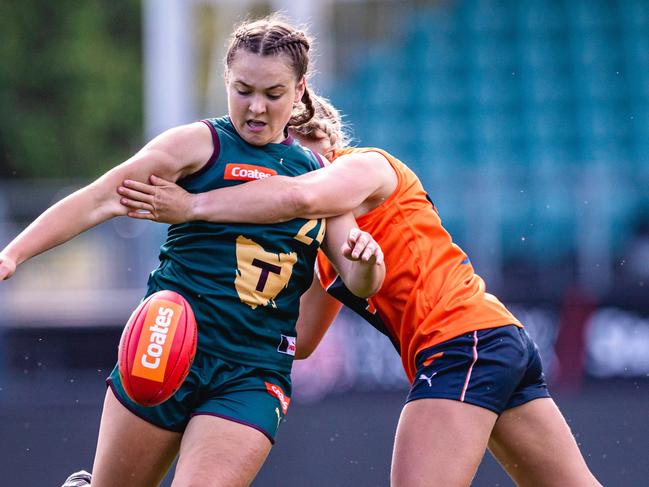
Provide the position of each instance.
(299, 90)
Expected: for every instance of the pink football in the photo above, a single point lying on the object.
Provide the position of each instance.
(157, 348)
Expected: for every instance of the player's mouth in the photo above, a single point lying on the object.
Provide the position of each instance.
(255, 125)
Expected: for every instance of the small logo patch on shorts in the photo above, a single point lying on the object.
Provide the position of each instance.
(287, 345)
(428, 379)
(275, 390)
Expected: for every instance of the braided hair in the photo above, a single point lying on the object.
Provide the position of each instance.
(272, 36)
(327, 119)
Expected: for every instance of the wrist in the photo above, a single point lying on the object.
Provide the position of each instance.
(11, 253)
(196, 207)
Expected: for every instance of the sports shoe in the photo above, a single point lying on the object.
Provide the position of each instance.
(78, 479)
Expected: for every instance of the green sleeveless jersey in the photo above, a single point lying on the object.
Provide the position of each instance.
(243, 281)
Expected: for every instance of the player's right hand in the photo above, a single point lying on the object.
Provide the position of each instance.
(361, 246)
(7, 267)
(161, 201)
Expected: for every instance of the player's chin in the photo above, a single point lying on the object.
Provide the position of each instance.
(263, 137)
(257, 140)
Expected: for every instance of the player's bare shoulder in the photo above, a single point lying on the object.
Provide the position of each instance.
(193, 143)
(375, 168)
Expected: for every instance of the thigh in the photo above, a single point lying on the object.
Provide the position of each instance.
(534, 444)
(439, 442)
(130, 451)
(217, 452)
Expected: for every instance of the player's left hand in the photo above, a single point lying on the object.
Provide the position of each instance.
(361, 246)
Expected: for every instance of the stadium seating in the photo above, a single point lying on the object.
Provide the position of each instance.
(543, 105)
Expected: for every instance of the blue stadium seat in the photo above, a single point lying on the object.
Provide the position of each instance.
(594, 15)
(542, 17)
(547, 86)
(607, 119)
(601, 50)
(488, 16)
(444, 91)
(548, 123)
(540, 50)
(495, 88)
(635, 14)
(493, 52)
(439, 54)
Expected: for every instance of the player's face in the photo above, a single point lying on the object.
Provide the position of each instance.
(318, 141)
(261, 93)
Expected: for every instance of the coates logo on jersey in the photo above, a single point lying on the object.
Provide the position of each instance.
(277, 391)
(287, 345)
(247, 172)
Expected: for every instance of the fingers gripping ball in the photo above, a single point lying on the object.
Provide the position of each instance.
(157, 348)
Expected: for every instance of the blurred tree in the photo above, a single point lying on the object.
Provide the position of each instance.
(70, 86)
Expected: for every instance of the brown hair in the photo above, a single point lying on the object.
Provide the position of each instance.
(328, 120)
(271, 36)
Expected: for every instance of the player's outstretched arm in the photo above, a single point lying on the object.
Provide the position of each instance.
(175, 153)
(355, 255)
(330, 191)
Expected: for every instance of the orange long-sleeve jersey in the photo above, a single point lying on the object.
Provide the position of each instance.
(431, 292)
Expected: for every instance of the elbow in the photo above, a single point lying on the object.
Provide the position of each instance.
(112, 211)
(109, 206)
(301, 202)
(366, 292)
(367, 288)
(104, 206)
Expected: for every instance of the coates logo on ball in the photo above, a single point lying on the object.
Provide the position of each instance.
(157, 348)
(155, 341)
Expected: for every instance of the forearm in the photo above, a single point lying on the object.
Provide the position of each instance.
(60, 223)
(272, 200)
(355, 255)
(364, 279)
(333, 190)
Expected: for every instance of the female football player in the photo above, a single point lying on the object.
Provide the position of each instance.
(242, 281)
(476, 377)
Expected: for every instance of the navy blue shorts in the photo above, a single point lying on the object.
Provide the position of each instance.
(497, 369)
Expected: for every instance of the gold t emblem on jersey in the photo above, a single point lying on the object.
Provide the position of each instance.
(261, 275)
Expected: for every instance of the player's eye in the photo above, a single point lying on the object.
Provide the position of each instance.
(274, 96)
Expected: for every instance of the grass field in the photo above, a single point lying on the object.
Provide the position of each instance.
(50, 419)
